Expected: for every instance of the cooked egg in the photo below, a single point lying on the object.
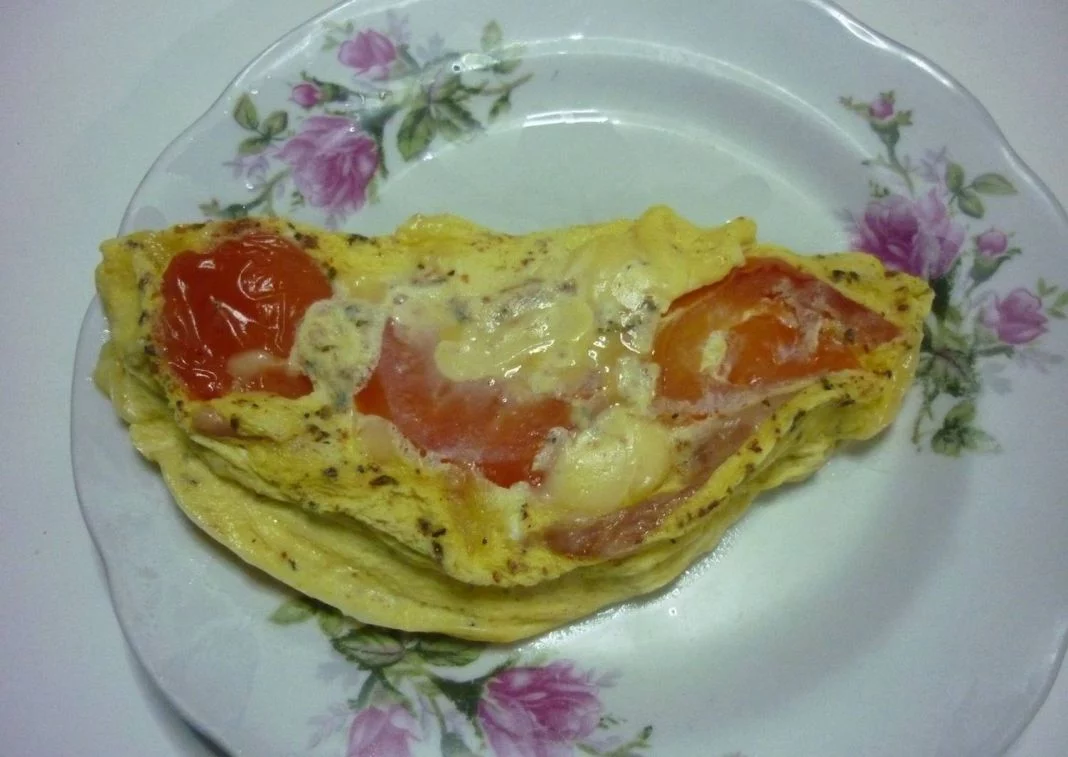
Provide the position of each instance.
(455, 430)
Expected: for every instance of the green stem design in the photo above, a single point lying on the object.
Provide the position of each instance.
(896, 166)
(1002, 350)
(507, 87)
(925, 412)
(244, 209)
(640, 741)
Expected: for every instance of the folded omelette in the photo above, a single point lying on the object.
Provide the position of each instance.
(455, 430)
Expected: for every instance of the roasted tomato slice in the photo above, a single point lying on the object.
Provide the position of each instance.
(245, 296)
(764, 323)
(474, 423)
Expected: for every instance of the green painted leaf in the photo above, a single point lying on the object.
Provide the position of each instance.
(245, 113)
(1057, 313)
(415, 133)
(330, 44)
(993, 184)
(449, 88)
(888, 132)
(491, 36)
(955, 177)
(275, 124)
(946, 443)
(235, 211)
(970, 204)
(252, 145)
(506, 66)
(859, 108)
(331, 92)
(464, 694)
(331, 622)
(500, 107)
(952, 371)
(942, 336)
(943, 291)
(454, 746)
(370, 648)
(953, 439)
(459, 115)
(296, 610)
(446, 652)
(1044, 287)
(961, 413)
(367, 690)
(1062, 300)
(950, 438)
(981, 441)
(958, 433)
(984, 268)
(446, 128)
(374, 122)
(210, 209)
(996, 350)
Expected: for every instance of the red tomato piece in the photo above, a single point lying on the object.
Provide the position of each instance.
(778, 323)
(247, 294)
(475, 423)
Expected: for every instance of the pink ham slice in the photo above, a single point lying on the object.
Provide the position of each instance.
(623, 531)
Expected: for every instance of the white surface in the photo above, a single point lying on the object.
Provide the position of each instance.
(92, 94)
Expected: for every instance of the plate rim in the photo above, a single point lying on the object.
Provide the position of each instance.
(848, 23)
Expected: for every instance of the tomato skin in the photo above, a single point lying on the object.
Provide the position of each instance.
(245, 294)
(778, 323)
(474, 423)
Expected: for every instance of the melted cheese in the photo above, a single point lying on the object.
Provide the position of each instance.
(549, 314)
(620, 459)
(543, 338)
(575, 306)
(337, 345)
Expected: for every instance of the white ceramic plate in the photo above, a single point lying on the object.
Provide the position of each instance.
(908, 600)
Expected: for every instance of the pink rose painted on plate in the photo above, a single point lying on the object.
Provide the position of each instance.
(382, 732)
(916, 220)
(370, 53)
(1016, 319)
(433, 694)
(327, 148)
(992, 243)
(881, 108)
(539, 712)
(306, 95)
(333, 162)
(914, 236)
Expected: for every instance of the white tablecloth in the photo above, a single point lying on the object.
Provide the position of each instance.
(91, 93)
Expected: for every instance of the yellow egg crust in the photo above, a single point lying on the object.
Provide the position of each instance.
(391, 538)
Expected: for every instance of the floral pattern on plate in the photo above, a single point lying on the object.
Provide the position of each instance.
(331, 151)
(922, 218)
(462, 697)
